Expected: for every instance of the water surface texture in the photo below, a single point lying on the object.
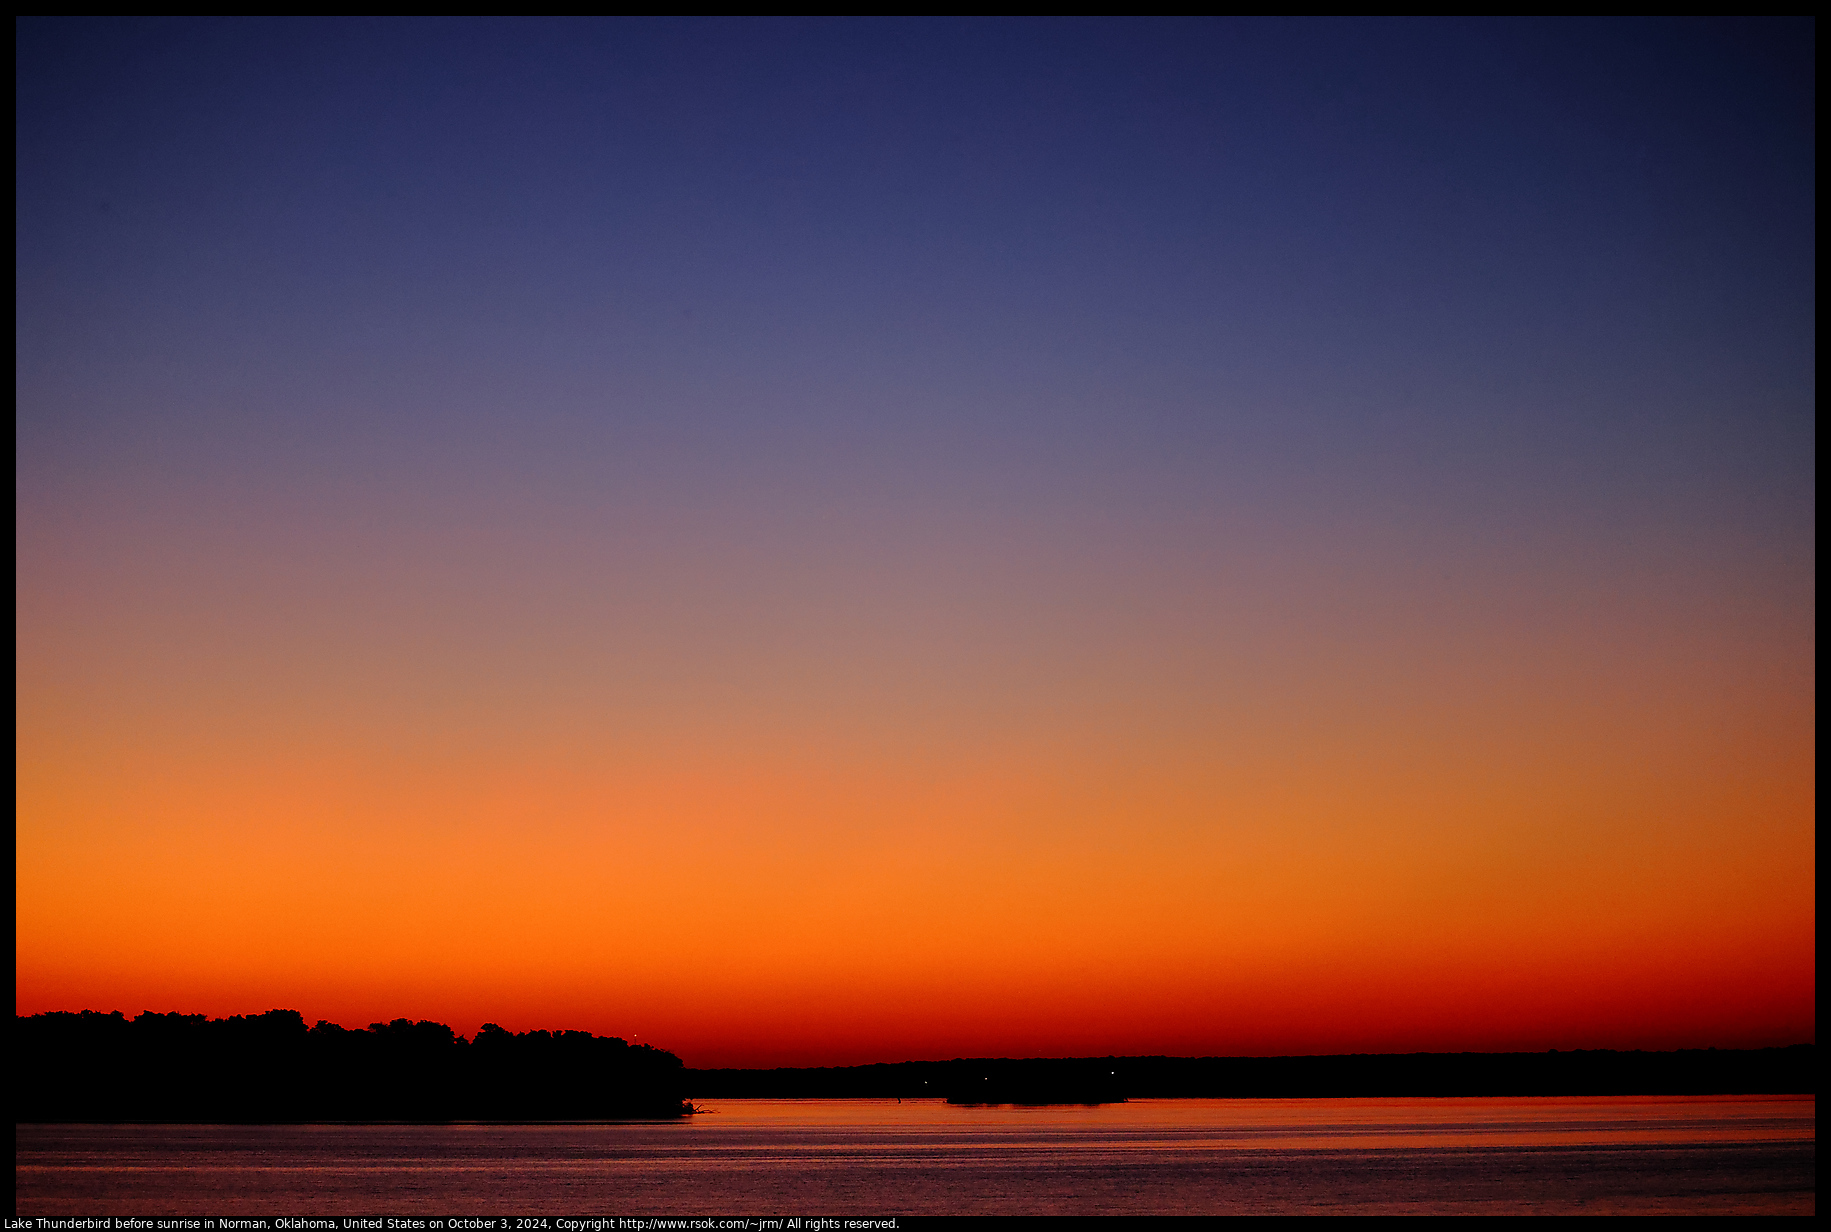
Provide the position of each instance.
(824, 1157)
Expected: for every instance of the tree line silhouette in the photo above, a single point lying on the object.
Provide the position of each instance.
(272, 1068)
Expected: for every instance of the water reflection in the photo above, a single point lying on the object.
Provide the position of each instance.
(870, 1156)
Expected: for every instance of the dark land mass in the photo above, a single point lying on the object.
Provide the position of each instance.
(271, 1067)
(1712, 1071)
(265, 1068)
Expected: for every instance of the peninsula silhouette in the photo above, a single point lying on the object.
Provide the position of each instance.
(273, 1068)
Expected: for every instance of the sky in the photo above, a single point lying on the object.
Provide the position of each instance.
(819, 542)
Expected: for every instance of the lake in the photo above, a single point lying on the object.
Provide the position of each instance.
(879, 1157)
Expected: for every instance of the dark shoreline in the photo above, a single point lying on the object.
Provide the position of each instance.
(1584, 1072)
(271, 1069)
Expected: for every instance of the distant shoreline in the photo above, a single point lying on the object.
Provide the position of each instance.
(271, 1068)
(1701, 1071)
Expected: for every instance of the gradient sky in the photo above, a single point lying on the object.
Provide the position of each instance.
(819, 542)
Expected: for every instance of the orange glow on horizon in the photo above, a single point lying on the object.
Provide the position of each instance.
(876, 543)
(1198, 834)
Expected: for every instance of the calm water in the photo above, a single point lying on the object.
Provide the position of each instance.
(831, 1157)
